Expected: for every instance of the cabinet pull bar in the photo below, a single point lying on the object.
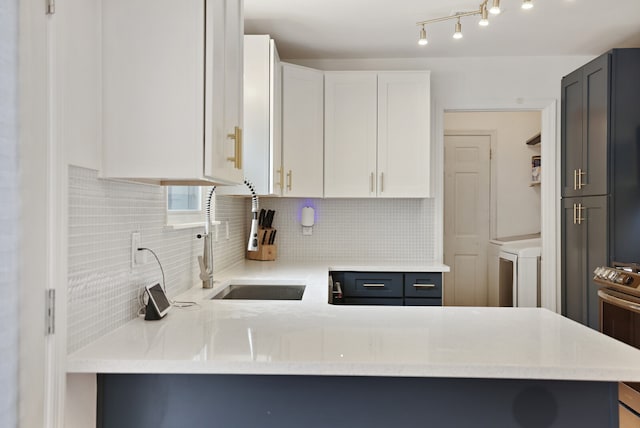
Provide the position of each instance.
(575, 220)
(280, 183)
(373, 285)
(424, 285)
(237, 148)
(575, 180)
(580, 210)
(580, 174)
(372, 180)
(289, 180)
(381, 182)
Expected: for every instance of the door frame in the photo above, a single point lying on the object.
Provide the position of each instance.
(549, 187)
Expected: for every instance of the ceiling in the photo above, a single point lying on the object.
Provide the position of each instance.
(312, 29)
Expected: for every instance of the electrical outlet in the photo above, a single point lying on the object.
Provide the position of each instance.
(135, 244)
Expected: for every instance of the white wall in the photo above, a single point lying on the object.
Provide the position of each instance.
(9, 213)
(517, 203)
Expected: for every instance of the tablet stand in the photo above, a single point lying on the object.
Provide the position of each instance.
(150, 313)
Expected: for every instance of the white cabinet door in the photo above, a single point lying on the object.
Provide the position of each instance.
(302, 131)
(350, 134)
(78, 90)
(154, 74)
(404, 116)
(233, 96)
(277, 172)
(262, 147)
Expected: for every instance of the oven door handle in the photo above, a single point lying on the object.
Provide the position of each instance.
(625, 304)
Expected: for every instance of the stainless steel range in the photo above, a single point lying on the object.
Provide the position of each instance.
(620, 318)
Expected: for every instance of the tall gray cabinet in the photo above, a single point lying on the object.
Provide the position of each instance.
(600, 175)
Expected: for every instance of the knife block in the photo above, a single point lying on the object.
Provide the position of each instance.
(265, 252)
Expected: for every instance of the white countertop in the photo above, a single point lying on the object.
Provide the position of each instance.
(311, 337)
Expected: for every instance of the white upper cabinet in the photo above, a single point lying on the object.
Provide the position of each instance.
(172, 91)
(350, 134)
(404, 117)
(262, 144)
(377, 134)
(302, 131)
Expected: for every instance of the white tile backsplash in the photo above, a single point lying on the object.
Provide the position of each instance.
(103, 289)
(359, 230)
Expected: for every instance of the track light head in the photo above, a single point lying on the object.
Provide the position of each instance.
(495, 8)
(484, 20)
(423, 37)
(458, 32)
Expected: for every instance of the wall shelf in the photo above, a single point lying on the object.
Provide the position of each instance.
(534, 140)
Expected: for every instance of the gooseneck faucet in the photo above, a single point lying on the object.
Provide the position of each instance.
(252, 245)
(206, 259)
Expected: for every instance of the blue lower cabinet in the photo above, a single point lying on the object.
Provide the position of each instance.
(423, 285)
(373, 284)
(389, 288)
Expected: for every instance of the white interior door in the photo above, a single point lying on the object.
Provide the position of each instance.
(467, 193)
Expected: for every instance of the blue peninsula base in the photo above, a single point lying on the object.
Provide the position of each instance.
(270, 401)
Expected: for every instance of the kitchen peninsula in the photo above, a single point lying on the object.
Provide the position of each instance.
(312, 364)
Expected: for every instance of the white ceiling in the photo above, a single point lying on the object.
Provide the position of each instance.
(305, 29)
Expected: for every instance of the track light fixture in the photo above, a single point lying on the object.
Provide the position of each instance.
(423, 37)
(483, 11)
(458, 32)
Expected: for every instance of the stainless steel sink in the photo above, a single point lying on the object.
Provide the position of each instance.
(261, 292)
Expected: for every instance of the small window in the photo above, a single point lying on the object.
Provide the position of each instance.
(184, 198)
(186, 206)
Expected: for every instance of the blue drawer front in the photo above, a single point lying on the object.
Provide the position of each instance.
(377, 301)
(421, 301)
(423, 285)
(372, 284)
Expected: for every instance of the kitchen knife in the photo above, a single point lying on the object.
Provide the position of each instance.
(266, 219)
(269, 218)
(263, 214)
(264, 238)
(272, 237)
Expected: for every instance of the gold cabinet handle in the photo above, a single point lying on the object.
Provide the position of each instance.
(289, 180)
(580, 174)
(372, 182)
(575, 220)
(237, 137)
(575, 179)
(580, 217)
(280, 172)
(381, 182)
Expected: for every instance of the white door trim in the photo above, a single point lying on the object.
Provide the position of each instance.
(550, 188)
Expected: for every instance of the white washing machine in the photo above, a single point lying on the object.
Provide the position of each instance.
(519, 274)
(513, 266)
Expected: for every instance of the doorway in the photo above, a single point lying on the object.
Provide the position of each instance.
(487, 193)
